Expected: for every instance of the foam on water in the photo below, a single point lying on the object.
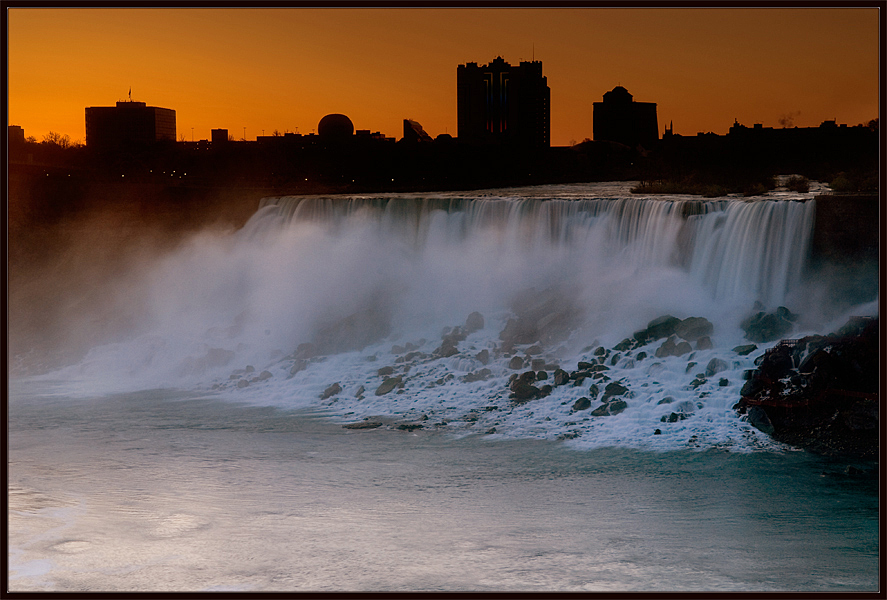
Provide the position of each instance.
(396, 270)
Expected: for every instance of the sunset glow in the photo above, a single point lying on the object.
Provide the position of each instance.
(252, 71)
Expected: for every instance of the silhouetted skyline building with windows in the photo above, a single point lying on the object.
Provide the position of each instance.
(128, 124)
(620, 119)
(504, 104)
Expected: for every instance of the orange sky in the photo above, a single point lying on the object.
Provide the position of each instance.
(287, 68)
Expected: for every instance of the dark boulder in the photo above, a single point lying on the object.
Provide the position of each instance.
(613, 389)
(561, 377)
(582, 404)
(693, 328)
(828, 403)
(715, 366)
(331, 391)
(704, 343)
(516, 363)
(766, 327)
(474, 322)
(483, 357)
(389, 384)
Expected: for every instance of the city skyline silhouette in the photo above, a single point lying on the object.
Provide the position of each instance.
(255, 71)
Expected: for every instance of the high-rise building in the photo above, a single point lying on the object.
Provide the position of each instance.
(128, 124)
(620, 119)
(501, 103)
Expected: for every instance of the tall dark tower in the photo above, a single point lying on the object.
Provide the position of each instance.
(501, 104)
(620, 119)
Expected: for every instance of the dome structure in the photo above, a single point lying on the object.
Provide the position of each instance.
(335, 126)
(618, 94)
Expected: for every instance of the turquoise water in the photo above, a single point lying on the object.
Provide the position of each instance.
(164, 490)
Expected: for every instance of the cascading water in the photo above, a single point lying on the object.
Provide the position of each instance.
(318, 301)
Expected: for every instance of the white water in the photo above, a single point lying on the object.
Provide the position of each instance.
(425, 262)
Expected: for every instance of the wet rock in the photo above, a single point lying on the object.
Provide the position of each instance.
(541, 375)
(537, 364)
(704, 343)
(715, 365)
(363, 425)
(745, 349)
(585, 366)
(331, 391)
(674, 417)
(641, 356)
(389, 384)
(356, 331)
(359, 393)
(668, 348)
(624, 345)
(693, 328)
(446, 350)
(666, 400)
(305, 351)
(757, 416)
(600, 411)
(617, 406)
(523, 391)
(396, 349)
(300, 365)
(561, 377)
(582, 404)
(658, 328)
(766, 327)
(593, 391)
(615, 359)
(409, 426)
(547, 316)
(544, 391)
(474, 322)
(690, 366)
(384, 371)
(242, 383)
(483, 357)
(516, 363)
(265, 375)
(613, 389)
(481, 375)
(697, 382)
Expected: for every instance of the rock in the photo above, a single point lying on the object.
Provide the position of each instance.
(641, 356)
(593, 391)
(561, 377)
(661, 327)
(523, 391)
(363, 425)
(759, 419)
(540, 375)
(704, 343)
(624, 345)
(723, 382)
(657, 432)
(265, 375)
(300, 365)
(483, 357)
(697, 382)
(384, 371)
(474, 322)
(613, 389)
(305, 351)
(242, 383)
(537, 364)
(547, 316)
(600, 411)
(674, 417)
(356, 331)
(481, 375)
(249, 369)
(396, 349)
(668, 348)
(389, 384)
(764, 327)
(682, 348)
(615, 359)
(545, 390)
(690, 366)
(582, 404)
(446, 350)
(331, 391)
(359, 393)
(745, 349)
(409, 426)
(715, 365)
(617, 406)
(666, 400)
(516, 363)
(584, 366)
(693, 328)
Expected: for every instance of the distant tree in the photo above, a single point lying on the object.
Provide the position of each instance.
(873, 124)
(276, 133)
(31, 139)
(57, 139)
(230, 138)
(181, 137)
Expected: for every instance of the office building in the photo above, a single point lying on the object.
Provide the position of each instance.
(620, 119)
(128, 124)
(503, 104)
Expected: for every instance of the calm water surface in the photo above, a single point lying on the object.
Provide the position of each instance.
(160, 491)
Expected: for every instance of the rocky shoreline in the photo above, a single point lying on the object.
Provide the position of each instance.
(819, 392)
